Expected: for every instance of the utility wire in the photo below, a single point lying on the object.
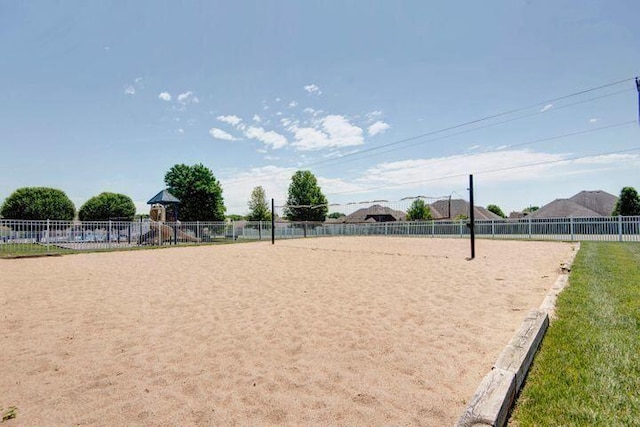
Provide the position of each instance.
(537, 141)
(441, 178)
(481, 119)
(451, 135)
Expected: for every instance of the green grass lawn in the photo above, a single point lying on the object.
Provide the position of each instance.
(21, 250)
(30, 249)
(587, 372)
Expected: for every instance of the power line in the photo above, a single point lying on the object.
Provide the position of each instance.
(441, 178)
(481, 119)
(546, 139)
(451, 135)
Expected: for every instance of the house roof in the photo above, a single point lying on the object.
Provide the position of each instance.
(561, 208)
(163, 198)
(583, 204)
(440, 210)
(364, 214)
(598, 201)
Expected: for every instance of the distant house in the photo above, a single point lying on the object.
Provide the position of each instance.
(375, 213)
(450, 209)
(442, 209)
(584, 204)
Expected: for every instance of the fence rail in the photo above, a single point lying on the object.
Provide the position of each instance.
(50, 236)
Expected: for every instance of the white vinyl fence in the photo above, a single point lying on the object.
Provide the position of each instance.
(63, 236)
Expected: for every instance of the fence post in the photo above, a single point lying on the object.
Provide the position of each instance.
(571, 227)
(109, 234)
(620, 228)
(175, 233)
(493, 228)
(529, 223)
(197, 230)
(48, 233)
(460, 227)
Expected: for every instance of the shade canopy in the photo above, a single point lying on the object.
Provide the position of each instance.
(163, 198)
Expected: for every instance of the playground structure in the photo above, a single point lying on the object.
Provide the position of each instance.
(165, 208)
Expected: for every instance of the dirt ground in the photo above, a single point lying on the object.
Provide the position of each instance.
(327, 331)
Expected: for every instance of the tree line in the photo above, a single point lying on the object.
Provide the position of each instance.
(200, 194)
(201, 199)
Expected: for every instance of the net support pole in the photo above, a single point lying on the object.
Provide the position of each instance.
(638, 87)
(273, 223)
(472, 220)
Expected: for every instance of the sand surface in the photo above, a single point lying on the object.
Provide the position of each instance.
(353, 331)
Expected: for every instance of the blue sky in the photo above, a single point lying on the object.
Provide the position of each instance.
(107, 96)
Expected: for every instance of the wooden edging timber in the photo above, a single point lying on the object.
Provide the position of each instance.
(496, 394)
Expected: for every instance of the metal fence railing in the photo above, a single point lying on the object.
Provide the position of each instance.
(17, 237)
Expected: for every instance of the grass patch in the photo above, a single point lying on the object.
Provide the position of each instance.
(9, 414)
(27, 250)
(587, 372)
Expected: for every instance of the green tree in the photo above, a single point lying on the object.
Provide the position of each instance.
(235, 217)
(628, 203)
(335, 215)
(106, 206)
(530, 209)
(199, 192)
(38, 203)
(496, 210)
(258, 207)
(304, 191)
(419, 211)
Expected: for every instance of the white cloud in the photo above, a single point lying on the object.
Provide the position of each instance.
(313, 89)
(165, 96)
(309, 110)
(288, 122)
(274, 139)
(220, 134)
(372, 116)
(473, 147)
(377, 127)
(338, 185)
(278, 99)
(610, 159)
(188, 98)
(593, 120)
(256, 118)
(238, 185)
(138, 79)
(415, 173)
(231, 119)
(293, 104)
(180, 130)
(130, 90)
(333, 131)
(546, 108)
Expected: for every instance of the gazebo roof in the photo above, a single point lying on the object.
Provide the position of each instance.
(163, 198)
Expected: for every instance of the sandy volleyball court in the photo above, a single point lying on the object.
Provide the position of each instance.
(332, 331)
